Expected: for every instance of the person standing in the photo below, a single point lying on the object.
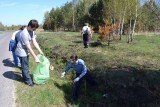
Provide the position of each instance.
(13, 44)
(23, 49)
(81, 73)
(86, 33)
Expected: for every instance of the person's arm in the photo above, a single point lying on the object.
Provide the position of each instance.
(84, 71)
(25, 41)
(32, 53)
(37, 46)
(66, 70)
(83, 28)
(90, 32)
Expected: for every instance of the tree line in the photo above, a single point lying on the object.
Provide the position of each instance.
(131, 15)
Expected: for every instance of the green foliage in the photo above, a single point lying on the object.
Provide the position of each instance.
(72, 16)
(1, 27)
(80, 14)
(149, 16)
(96, 13)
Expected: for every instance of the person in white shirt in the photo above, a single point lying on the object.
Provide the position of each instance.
(24, 49)
(12, 46)
(86, 33)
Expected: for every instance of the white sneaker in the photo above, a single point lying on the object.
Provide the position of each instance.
(105, 95)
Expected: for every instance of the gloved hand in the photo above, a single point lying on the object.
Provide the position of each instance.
(76, 79)
(63, 74)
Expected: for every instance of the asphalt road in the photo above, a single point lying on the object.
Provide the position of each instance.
(7, 86)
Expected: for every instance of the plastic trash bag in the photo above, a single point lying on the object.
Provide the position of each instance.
(41, 72)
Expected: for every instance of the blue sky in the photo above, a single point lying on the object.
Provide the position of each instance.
(15, 12)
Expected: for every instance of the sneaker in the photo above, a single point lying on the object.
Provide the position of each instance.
(31, 85)
(18, 65)
(105, 95)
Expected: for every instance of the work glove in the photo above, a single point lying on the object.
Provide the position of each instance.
(76, 79)
(63, 74)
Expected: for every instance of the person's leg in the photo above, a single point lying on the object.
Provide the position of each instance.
(76, 87)
(85, 40)
(90, 79)
(19, 63)
(25, 70)
(15, 58)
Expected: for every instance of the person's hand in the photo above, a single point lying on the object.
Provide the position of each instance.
(76, 79)
(36, 60)
(42, 53)
(90, 35)
(63, 74)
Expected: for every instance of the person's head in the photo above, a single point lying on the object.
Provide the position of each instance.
(73, 59)
(22, 27)
(33, 25)
(86, 24)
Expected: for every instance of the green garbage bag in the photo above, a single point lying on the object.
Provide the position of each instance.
(41, 72)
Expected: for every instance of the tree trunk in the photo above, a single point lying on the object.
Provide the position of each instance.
(136, 15)
(129, 32)
(122, 24)
(133, 30)
(109, 39)
(119, 28)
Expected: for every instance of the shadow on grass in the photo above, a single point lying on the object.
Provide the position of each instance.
(95, 44)
(132, 87)
(66, 88)
(92, 44)
(87, 95)
(77, 41)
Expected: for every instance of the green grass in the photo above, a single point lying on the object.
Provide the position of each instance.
(128, 72)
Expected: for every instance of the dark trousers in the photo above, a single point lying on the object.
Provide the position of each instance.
(77, 85)
(25, 70)
(85, 40)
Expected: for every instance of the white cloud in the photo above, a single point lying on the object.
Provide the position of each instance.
(34, 5)
(2, 4)
(46, 9)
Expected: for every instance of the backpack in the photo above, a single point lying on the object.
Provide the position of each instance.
(86, 32)
(13, 44)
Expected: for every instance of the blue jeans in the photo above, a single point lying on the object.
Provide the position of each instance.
(12, 48)
(77, 85)
(25, 69)
(15, 58)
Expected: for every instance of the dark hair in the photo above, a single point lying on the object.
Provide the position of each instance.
(22, 27)
(75, 57)
(33, 23)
